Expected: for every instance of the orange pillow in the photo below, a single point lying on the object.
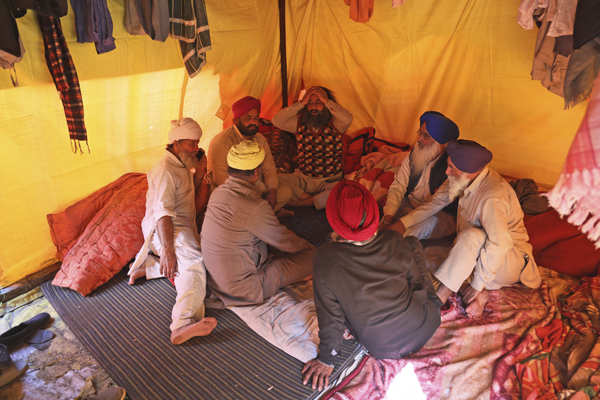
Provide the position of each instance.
(111, 238)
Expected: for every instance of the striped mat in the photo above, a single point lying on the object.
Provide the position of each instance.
(126, 329)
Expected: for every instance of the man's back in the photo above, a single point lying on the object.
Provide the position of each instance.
(380, 286)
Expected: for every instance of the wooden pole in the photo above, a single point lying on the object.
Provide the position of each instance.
(283, 54)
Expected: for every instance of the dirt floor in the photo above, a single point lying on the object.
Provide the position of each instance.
(64, 370)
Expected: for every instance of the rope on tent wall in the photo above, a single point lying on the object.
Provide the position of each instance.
(283, 54)
(183, 90)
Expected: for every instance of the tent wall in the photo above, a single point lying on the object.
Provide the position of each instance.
(466, 58)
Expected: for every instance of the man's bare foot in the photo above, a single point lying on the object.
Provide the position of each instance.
(477, 305)
(137, 274)
(201, 328)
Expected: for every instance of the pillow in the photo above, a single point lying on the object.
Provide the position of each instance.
(560, 246)
(110, 240)
(67, 226)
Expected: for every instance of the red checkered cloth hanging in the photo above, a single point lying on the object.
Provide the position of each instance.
(61, 67)
(577, 192)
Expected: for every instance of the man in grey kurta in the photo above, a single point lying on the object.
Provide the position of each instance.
(239, 227)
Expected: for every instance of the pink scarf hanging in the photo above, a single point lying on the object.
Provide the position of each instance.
(577, 192)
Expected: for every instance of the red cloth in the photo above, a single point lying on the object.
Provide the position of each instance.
(61, 67)
(560, 246)
(576, 193)
(244, 105)
(100, 234)
(352, 211)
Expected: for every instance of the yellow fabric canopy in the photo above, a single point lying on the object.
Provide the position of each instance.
(466, 58)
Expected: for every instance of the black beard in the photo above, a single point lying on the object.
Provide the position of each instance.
(247, 131)
(318, 120)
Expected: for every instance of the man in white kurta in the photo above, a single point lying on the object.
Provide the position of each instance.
(171, 247)
(420, 175)
(492, 245)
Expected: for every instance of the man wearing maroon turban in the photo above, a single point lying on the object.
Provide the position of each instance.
(368, 285)
(492, 246)
(318, 123)
(246, 112)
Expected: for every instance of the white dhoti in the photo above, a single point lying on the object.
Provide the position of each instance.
(464, 259)
(190, 281)
(436, 226)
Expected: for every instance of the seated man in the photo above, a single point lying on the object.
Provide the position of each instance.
(245, 126)
(238, 231)
(371, 284)
(492, 246)
(169, 228)
(319, 123)
(420, 175)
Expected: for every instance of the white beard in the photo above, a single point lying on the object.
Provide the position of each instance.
(457, 186)
(423, 155)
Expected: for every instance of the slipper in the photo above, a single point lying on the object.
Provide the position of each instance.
(41, 339)
(18, 334)
(4, 356)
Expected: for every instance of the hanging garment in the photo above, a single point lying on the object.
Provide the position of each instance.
(61, 67)
(360, 10)
(11, 48)
(93, 23)
(576, 192)
(131, 20)
(154, 18)
(583, 68)
(549, 65)
(587, 22)
(560, 13)
(189, 24)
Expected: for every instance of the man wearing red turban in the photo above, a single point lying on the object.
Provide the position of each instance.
(246, 112)
(397, 310)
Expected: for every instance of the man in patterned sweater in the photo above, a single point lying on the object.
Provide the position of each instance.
(319, 123)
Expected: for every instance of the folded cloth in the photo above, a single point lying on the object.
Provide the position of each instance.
(20, 333)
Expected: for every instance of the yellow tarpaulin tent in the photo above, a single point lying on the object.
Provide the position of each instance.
(466, 58)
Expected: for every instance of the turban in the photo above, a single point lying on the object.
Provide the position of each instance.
(440, 127)
(185, 128)
(246, 155)
(468, 156)
(244, 105)
(352, 211)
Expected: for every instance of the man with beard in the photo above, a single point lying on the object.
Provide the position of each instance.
(492, 246)
(319, 123)
(420, 175)
(170, 232)
(246, 113)
(248, 254)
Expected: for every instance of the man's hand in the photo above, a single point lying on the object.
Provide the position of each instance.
(385, 222)
(398, 226)
(318, 371)
(168, 263)
(271, 197)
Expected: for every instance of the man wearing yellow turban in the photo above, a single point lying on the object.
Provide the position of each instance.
(238, 230)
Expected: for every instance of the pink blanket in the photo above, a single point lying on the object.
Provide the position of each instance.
(529, 344)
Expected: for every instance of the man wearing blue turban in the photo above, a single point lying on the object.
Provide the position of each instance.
(420, 175)
(492, 248)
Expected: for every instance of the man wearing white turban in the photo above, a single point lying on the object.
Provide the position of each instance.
(239, 232)
(171, 247)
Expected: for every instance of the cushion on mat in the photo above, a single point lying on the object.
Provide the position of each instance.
(67, 225)
(109, 239)
(560, 246)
